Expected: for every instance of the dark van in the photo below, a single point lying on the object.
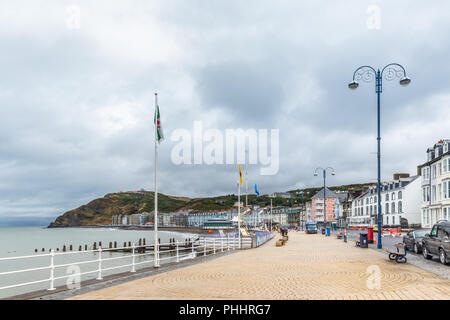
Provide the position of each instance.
(437, 242)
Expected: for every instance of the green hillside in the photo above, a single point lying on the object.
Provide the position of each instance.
(101, 210)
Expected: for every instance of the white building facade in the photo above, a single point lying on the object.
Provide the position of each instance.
(400, 204)
(435, 182)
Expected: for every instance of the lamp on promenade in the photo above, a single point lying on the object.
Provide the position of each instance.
(367, 73)
(324, 171)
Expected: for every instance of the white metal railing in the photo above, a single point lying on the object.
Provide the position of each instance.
(177, 250)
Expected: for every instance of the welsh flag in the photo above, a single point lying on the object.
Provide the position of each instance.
(157, 122)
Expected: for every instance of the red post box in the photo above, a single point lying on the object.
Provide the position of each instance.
(370, 234)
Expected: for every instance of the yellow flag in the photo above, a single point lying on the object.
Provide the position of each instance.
(240, 175)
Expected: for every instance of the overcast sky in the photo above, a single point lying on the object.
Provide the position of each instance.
(77, 95)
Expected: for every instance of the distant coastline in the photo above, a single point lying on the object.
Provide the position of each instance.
(141, 228)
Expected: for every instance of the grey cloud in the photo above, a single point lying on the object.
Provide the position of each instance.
(77, 106)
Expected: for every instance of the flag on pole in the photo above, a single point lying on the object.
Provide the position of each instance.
(256, 189)
(157, 122)
(240, 175)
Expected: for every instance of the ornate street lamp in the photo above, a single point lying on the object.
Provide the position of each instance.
(367, 73)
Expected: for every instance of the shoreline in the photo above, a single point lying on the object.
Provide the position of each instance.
(141, 228)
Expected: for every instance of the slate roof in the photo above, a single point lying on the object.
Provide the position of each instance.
(330, 194)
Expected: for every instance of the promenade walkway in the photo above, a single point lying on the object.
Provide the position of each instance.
(307, 267)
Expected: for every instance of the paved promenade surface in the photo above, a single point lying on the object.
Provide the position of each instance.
(307, 267)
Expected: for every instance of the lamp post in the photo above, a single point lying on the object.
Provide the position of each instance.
(324, 171)
(367, 73)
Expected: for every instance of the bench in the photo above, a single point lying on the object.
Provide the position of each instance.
(280, 243)
(397, 255)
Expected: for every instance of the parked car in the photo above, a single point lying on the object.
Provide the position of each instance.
(413, 240)
(437, 242)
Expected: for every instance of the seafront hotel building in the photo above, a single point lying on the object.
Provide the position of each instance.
(400, 202)
(435, 181)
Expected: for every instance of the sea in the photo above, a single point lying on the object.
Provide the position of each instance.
(23, 241)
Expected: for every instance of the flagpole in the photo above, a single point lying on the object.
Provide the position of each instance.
(239, 214)
(271, 216)
(156, 244)
(246, 181)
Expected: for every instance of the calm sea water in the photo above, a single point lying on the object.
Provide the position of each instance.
(22, 241)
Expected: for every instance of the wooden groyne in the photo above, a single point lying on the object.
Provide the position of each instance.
(127, 246)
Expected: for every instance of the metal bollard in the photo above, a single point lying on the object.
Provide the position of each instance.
(52, 270)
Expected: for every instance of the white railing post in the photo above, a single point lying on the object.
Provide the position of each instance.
(214, 245)
(133, 269)
(204, 248)
(193, 255)
(234, 243)
(222, 243)
(156, 247)
(228, 244)
(52, 270)
(178, 256)
(99, 276)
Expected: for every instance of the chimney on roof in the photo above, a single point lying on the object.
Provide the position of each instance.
(397, 176)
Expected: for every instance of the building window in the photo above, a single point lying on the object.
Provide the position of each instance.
(400, 207)
(393, 196)
(399, 195)
(387, 220)
(393, 220)
(445, 166)
(387, 208)
(393, 207)
(387, 197)
(446, 192)
(445, 213)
